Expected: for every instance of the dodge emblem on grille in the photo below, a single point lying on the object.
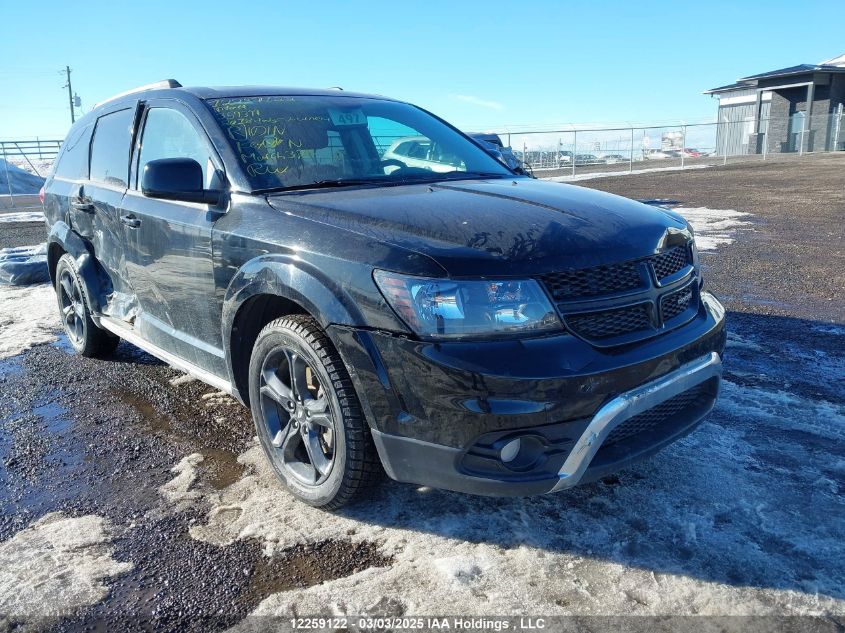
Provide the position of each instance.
(683, 298)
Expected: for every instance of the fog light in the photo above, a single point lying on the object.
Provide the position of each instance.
(510, 451)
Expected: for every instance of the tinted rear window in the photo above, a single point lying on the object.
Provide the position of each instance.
(73, 161)
(110, 149)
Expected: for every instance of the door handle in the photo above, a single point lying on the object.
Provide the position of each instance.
(131, 221)
(82, 205)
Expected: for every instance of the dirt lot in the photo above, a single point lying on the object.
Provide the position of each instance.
(130, 494)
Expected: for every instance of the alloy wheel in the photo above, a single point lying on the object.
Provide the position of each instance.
(72, 308)
(298, 418)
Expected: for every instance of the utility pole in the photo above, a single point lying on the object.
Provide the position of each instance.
(69, 95)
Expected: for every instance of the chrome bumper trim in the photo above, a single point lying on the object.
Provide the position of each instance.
(629, 404)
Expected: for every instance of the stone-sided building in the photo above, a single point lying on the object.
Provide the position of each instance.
(795, 109)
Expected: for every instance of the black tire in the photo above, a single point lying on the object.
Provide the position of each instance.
(318, 443)
(72, 296)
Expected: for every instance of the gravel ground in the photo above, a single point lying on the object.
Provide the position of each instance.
(21, 234)
(189, 531)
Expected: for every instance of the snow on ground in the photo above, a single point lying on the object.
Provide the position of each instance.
(22, 216)
(719, 523)
(608, 174)
(41, 317)
(35, 166)
(714, 227)
(14, 179)
(55, 565)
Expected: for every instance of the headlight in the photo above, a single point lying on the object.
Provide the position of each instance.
(441, 308)
(696, 263)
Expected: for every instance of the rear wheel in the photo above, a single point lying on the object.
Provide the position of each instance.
(307, 415)
(84, 335)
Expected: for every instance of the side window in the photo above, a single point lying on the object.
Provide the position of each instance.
(439, 155)
(420, 150)
(110, 148)
(169, 134)
(72, 163)
(403, 149)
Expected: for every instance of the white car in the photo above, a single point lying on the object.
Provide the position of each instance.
(612, 159)
(421, 152)
(657, 154)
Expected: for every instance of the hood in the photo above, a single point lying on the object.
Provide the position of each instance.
(495, 227)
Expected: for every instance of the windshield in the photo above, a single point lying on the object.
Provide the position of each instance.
(295, 142)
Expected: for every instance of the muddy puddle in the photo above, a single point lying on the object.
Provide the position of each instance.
(191, 429)
(310, 564)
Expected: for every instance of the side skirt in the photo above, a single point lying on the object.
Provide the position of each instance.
(128, 334)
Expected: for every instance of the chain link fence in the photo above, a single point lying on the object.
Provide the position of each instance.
(573, 151)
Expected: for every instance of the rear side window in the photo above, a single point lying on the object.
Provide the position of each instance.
(110, 148)
(72, 163)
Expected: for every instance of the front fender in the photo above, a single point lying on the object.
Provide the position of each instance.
(289, 277)
(97, 285)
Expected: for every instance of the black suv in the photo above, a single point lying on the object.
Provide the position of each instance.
(457, 325)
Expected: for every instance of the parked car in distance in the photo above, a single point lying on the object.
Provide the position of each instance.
(422, 153)
(587, 159)
(493, 144)
(381, 292)
(658, 154)
(565, 158)
(612, 159)
(691, 152)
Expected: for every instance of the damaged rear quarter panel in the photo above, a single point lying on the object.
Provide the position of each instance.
(96, 281)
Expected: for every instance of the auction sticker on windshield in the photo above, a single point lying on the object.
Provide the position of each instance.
(347, 117)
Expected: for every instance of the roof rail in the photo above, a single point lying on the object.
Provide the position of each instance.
(156, 85)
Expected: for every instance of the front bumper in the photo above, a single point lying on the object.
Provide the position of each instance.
(441, 412)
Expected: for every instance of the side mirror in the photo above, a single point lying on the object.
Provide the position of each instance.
(491, 149)
(176, 179)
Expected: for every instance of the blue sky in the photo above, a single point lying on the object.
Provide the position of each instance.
(481, 65)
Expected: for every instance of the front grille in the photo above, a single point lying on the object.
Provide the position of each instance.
(675, 303)
(591, 282)
(613, 278)
(600, 325)
(670, 261)
(650, 420)
(622, 303)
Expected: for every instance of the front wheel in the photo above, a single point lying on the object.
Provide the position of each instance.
(84, 335)
(307, 415)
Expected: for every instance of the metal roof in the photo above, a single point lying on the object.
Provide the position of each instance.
(800, 69)
(729, 87)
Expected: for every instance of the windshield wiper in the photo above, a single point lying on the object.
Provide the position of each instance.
(475, 174)
(324, 184)
(386, 180)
